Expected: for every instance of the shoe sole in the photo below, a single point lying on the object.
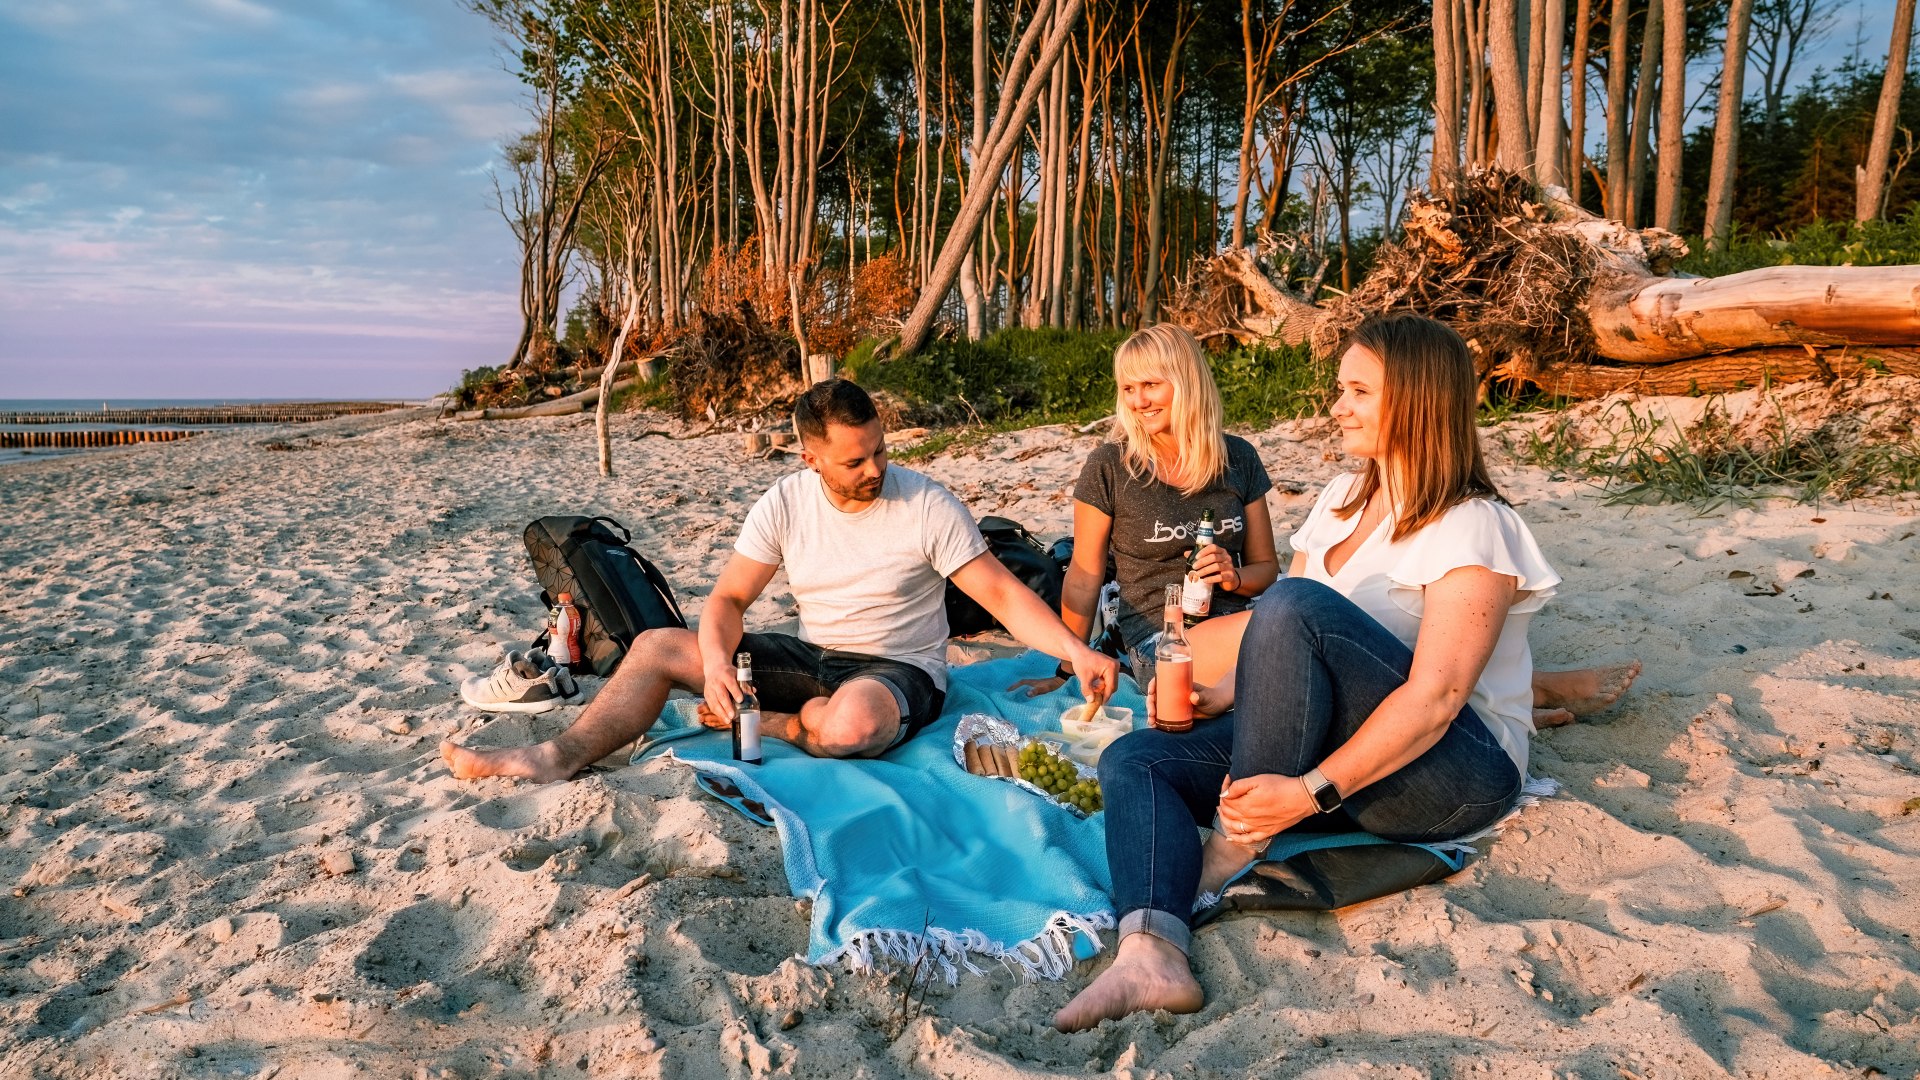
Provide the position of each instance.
(513, 706)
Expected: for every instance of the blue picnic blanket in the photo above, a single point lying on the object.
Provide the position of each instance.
(909, 855)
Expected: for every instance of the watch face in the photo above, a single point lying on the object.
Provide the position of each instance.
(1326, 797)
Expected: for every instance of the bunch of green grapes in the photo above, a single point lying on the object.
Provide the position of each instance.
(1043, 767)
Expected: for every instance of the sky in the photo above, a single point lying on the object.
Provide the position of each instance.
(251, 198)
(282, 198)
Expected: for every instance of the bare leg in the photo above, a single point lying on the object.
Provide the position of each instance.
(660, 661)
(1220, 859)
(1147, 973)
(1216, 646)
(859, 720)
(1561, 696)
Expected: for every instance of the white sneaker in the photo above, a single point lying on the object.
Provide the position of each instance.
(517, 685)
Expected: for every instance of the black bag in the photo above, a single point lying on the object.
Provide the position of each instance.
(1018, 551)
(619, 593)
(1326, 879)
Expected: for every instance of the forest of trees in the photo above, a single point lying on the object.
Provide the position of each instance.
(864, 168)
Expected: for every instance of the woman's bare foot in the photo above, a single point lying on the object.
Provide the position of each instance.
(1582, 692)
(1546, 718)
(1147, 973)
(1220, 859)
(539, 762)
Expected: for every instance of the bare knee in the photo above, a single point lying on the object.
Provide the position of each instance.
(666, 650)
(860, 719)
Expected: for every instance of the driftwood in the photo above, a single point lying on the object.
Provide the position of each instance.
(561, 406)
(1549, 294)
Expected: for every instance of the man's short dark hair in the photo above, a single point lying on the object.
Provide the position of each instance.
(835, 401)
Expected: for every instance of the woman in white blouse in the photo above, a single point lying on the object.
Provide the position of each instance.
(1386, 679)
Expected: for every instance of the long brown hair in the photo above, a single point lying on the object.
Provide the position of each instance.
(1428, 442)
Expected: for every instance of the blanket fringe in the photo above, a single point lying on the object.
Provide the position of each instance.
(1047, 955)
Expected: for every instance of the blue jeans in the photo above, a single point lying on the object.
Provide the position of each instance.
(1312, 668)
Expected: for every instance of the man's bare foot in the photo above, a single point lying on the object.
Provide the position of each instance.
(1147, 973)
(1220, 859)
(1546, 718)
(1582, 692)
(539, 763)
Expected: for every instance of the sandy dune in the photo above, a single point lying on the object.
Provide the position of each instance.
(229, 849)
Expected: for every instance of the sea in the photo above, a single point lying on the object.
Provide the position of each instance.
(18, 405)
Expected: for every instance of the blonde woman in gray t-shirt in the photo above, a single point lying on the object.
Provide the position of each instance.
(1140, 498)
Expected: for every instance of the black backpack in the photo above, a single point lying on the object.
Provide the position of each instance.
(618, 591)
(1018, 551)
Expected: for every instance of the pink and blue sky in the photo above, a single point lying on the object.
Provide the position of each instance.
(250, 198)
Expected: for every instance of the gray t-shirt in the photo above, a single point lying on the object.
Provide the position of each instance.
(1153, 528)
(872, 582)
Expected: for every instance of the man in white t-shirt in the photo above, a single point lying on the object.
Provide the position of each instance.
(868, 550)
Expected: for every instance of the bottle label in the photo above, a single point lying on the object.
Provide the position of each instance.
(1196, 598)
(746, 737)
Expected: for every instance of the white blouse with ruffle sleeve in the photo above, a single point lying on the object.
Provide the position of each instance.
(1388, 579)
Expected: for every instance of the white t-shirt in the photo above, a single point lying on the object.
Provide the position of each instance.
(872, 582)
(1387, 580)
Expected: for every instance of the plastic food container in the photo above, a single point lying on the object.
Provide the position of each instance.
(1085, 739)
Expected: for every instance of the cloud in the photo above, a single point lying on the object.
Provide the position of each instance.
(293, 174)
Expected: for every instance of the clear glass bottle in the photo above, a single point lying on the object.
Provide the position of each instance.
(1196, 598)
(746, 718)
(1173, 669)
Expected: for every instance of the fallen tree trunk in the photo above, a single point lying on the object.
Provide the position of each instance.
(1729, 371)
(1658, 320)
(1550, 295)
(563, 406)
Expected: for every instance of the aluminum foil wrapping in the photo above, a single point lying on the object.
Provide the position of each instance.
(981, 727)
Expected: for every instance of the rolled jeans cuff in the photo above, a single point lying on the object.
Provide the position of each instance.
(1166, 926)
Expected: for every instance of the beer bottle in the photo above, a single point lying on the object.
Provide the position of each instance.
(746, 718)
(1173, 670)
(1196, 600)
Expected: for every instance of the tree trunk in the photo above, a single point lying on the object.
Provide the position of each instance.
(1021, 88)
(1617, 153)
(1726, 128)
(1870, 181)
(1727, 371)
(1547, 117)
(1577, 98)
(1509, 87)
(970, 295)
(1673, 116)
(1446, 105)
(1656, 320)
(1159, 156)
(1643, 105)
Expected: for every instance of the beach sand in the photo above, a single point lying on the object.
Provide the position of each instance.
(228, 846)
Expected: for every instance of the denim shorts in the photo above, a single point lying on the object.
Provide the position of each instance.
(789, 673)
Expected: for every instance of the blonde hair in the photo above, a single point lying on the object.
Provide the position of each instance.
(1428, 443)
(1168, 353)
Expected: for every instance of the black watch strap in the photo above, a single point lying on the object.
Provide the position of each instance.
(1063, 671)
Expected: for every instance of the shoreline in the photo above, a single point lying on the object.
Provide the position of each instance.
(207, 706)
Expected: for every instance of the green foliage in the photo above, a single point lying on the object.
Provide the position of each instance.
(1018, 378)
(1823, 243)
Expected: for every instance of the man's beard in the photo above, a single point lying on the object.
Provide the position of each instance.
(864, 492)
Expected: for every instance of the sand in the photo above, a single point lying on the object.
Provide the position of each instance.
(228, 847)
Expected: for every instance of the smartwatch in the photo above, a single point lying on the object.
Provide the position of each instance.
(1326, 797)
(1063, 671)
